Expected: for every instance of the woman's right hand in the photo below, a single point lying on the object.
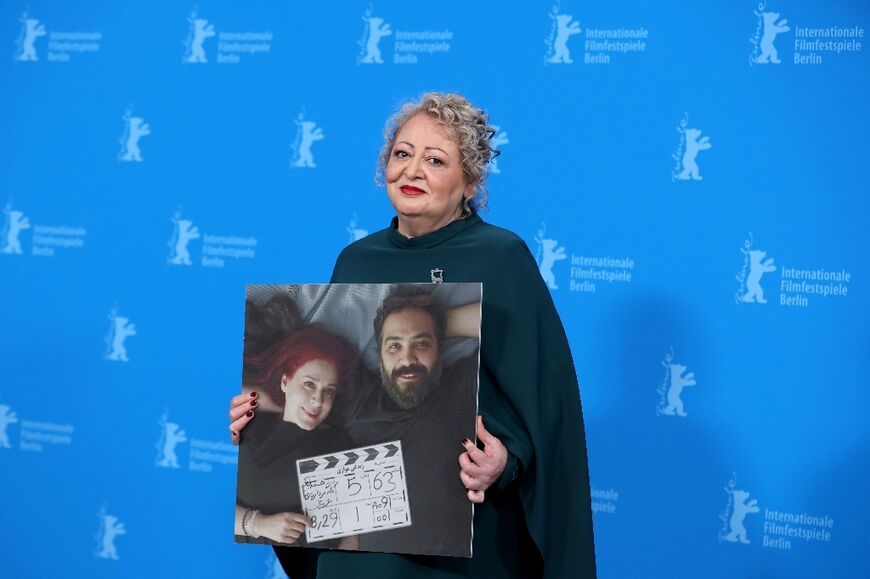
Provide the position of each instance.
(281, 527)
(241, 412)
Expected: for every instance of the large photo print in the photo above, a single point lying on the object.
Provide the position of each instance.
(365, 392)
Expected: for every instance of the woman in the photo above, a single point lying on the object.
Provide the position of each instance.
(302, 373)
(530, 480)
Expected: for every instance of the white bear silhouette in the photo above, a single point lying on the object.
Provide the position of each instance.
(678, 381)
(355, 232)
(550, 254)
(120, 332)
(186, 231)
(111, 529)
(758, 266)
(201, 31)
(498, 139)
(172, 436)
(771, 29)
(32, 30)
(16, 222)
(309, 134)
(693, 147)
(377, 29)
(136, 129)
(741, 509)
(7, 417)
(565, 28)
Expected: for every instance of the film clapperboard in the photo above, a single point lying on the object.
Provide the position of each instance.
(354, 491)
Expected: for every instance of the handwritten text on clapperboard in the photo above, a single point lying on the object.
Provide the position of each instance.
(355, 491)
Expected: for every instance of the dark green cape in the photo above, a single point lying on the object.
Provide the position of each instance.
(539, 525)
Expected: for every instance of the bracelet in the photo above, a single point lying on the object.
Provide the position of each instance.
(244, 519)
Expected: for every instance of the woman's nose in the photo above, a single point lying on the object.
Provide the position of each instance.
(316, 398)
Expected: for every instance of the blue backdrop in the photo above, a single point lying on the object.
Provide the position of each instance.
(691, 176)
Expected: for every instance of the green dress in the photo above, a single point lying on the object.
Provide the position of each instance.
(537, 522)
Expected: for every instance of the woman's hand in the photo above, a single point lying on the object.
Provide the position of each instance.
(241, 412)
(480, 469)
(280, 527)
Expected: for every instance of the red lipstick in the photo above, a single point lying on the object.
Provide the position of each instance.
(411, 190)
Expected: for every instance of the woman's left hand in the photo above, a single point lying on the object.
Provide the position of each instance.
(480, 469)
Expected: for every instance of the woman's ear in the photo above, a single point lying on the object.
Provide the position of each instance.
(284, 383)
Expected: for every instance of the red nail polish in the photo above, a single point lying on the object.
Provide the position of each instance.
(253, 394)
(250, 413)
(234, 432)
(253, 402)
(465, 442)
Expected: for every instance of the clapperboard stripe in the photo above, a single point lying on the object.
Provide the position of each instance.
(331, 461)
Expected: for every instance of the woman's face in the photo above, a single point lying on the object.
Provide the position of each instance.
(309, 393)
(425, 181)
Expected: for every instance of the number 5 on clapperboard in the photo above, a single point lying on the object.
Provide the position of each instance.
(354, 491)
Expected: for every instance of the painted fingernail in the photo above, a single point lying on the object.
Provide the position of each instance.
(465, 442)
(234, 432)
(250, 413)
(253, 394)
(253, 402)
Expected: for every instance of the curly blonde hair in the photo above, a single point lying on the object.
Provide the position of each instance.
(466, 124)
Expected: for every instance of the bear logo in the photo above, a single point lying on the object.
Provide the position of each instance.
(549, 252)
(16, 222)
(307, 133)
(679, 380)
(110, 527)
(564, 27)
(120, 330)
(376, 29)
(31, 29)
(758, 266)
(135, 129)
(693, 144)
(171, 436)
(185, 232)
(200, 30)
(772, 28)
(740, 508)
(7, 417)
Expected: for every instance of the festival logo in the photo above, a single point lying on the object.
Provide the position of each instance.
(812, 44)
(200, 31)
(768, 27)
(7, 418)
(600, 45)
(604, 500)
(231, 46)
(755, 265)
(46, 239)
(61, 44)
(134, 129)
(374, 29)
(499, 138)
(685, 156)
(355, 233)
(31, 29)
(120, 329)
(14, 223)
(737, 508)
(562, 28)
(171, 435)
(676, 380)
(407, 45)
(307, 132)
(548, 253)
(110, 528)
(184, 232)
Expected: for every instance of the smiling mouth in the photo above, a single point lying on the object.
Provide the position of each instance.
(311, 414)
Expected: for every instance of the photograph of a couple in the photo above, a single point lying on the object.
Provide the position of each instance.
(332, 368)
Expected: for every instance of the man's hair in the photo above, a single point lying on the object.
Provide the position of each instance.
(411, 296)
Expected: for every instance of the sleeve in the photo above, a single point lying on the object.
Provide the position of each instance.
(527, 353)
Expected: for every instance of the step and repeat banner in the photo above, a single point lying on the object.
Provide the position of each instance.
(692, 178)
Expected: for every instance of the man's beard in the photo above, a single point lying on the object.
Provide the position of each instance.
(411, 396)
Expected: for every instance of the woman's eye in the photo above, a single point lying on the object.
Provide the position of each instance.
(309, 385)
(400, 154)
(435, 161)
(329, 392)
